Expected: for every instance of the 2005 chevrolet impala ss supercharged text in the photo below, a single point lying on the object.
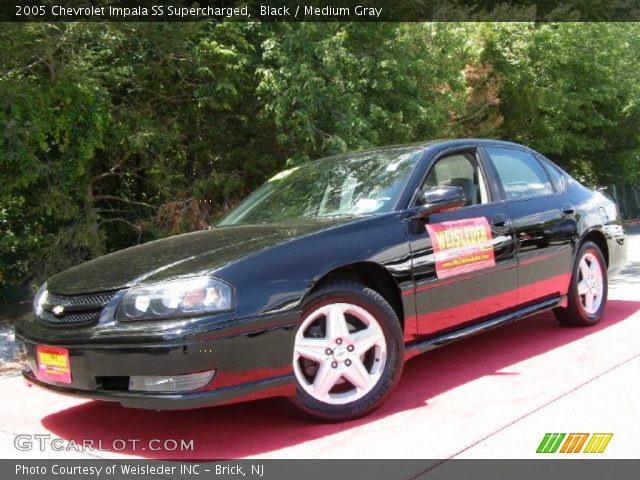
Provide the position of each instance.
(327, 278)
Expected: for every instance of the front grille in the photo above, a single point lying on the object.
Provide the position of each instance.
(89, 300)
(72, 317)
(75, 308)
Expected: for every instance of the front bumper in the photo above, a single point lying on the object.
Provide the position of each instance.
(250, 363)
(273, 387)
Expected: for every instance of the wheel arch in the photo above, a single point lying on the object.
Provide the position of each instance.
(370, 274)
(596, 236)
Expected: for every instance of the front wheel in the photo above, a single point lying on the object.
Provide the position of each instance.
(348, 352)
(587, 294)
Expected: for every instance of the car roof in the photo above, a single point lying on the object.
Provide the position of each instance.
(443, 142)
(424, 145)
(446, 142)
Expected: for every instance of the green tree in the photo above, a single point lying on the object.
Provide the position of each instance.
(571, 91)
(118, 133)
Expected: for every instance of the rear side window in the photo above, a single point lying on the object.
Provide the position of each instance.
(520, 173)
(557, 175)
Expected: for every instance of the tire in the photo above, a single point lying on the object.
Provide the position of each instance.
(588, 289)
(346, 367)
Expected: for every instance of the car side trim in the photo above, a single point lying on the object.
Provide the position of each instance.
(441, 340)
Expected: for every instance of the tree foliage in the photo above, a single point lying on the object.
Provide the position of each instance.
(114, 134)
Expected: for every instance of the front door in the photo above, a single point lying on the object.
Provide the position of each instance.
(463, 260)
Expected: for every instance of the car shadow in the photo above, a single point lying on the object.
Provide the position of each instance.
(258, 427)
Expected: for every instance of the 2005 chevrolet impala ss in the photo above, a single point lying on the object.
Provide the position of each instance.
(327, 278)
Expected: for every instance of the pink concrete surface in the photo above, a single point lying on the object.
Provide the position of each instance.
(448, 401)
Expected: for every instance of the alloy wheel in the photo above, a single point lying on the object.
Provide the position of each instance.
(339, 353)
(590, 283)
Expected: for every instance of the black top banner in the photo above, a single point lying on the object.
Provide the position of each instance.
(320, 10)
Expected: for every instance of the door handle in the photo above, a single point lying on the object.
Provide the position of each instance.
(500, 223)
(568, 210)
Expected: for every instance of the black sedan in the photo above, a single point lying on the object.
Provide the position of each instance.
(327, 278)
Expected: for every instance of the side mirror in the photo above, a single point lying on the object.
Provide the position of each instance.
(438, 199)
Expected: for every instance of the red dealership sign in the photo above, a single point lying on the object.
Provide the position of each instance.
(461, 246)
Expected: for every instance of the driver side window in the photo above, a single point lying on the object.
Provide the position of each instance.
(459, 170)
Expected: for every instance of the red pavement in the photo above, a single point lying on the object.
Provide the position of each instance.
(447, 400)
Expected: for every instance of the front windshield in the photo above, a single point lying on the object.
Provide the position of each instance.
(355, 184)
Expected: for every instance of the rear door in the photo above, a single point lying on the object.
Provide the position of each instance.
(464, 259)
(543, 219)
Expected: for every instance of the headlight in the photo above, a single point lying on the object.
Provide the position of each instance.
(40, 299)
(189, 296)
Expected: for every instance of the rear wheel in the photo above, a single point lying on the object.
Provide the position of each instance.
(587, 294)
(348, 352)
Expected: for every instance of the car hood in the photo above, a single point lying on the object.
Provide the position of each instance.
(182, 255)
